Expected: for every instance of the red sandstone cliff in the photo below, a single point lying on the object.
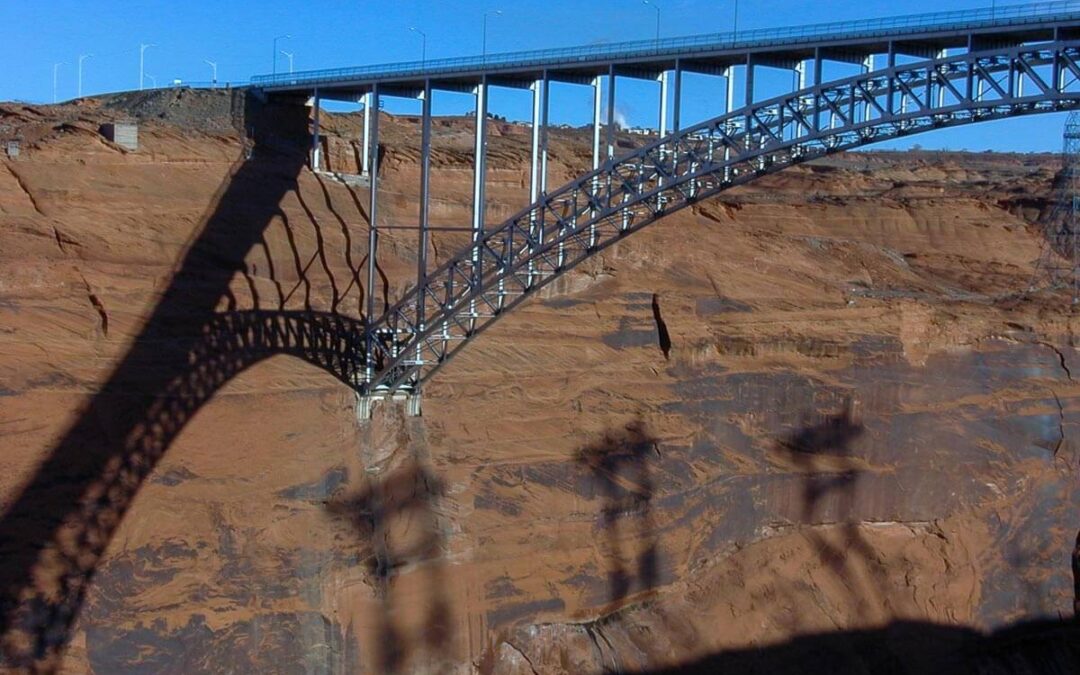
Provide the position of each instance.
(855, 419)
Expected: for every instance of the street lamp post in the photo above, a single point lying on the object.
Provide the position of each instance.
(288, 55)
(153, 80)
(280, 37)
(82, 57)
(735, 21)
(657, 8)
(213, 67)
(56, 66)
(142, 52)
(484, 44)
(423, 46)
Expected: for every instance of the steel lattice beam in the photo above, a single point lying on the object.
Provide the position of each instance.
(505, 266)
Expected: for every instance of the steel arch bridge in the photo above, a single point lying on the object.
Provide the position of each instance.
(939, 71)
(502, 268)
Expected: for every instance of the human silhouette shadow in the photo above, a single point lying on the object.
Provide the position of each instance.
(618, 465)
(54, 532)
(397, 523)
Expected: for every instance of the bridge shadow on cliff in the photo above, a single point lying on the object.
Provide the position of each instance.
(908, 648)
(397, 524)
(618, 467)
(824, 452)
(54, 532)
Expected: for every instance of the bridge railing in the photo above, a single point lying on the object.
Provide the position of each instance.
(1012, 15)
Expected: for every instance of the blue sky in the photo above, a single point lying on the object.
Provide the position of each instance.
(238, 35)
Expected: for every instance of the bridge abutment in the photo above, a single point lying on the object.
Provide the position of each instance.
(366, 405)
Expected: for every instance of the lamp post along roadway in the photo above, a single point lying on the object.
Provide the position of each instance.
(55, 67)
(657, 8)
(213, 68)
(423, 45)
(483, 46)
(82, 57)
(279, 37)
(142, 58)
(288, 55)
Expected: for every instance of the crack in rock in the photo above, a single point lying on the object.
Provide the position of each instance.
(532, 667)
(62, 240)
(1061, 423)
(1061, 359)
(98, 306)
(26, 190)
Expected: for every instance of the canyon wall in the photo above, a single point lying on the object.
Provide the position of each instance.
(823, 402)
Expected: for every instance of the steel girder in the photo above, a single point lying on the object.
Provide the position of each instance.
(506, 265)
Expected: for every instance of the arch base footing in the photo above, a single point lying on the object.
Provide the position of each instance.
(366, 402)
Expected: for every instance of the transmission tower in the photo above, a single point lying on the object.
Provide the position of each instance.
(1059, 263)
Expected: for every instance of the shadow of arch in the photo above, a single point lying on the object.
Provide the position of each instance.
(55, 530)
(228, 344)
(239, 340)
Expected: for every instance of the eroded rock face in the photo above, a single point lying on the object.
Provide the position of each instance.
(815, 406)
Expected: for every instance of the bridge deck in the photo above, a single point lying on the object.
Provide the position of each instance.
(916, 34)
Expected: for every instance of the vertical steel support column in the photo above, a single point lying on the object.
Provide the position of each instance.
(944, 53)
(749, 80)
(800, 76)
(373, 232)
(365, 155)
(315, 145)
(890, 97)
(729, 103)
(749, 98)
(537, 89)
(729, 88)
(868, 67)
(480, 157)
(662, 129)
(1059, 79)
(1011, 89)
(676, 101)
(970, 93)
(819, 69)
(611, 129)
(1019, 79)
(425, 195)
(538, 163)
(479, 175)
(977, 90)
(598, 102)
(663, 80)
(612, 132)
(545, 109)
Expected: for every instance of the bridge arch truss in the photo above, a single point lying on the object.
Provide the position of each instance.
(506, 265)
